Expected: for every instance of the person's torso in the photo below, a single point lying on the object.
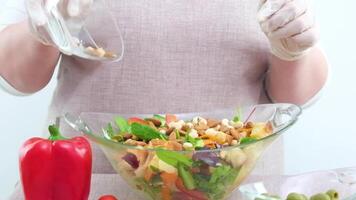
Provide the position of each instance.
(180, 56)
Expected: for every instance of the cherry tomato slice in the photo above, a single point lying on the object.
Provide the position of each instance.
(108, 197)
(137, 120)
(171, 118)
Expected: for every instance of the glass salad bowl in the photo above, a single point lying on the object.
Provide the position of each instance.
(203, 174)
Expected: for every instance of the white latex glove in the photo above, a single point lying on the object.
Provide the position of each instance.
(289, 26)
(38, 11)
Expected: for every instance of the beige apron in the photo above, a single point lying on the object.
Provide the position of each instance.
(180, 56)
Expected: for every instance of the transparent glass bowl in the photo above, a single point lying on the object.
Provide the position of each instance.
(162, 182)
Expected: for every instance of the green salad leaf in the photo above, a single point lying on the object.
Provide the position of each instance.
(186, 176)
(145, 132)
(215, 185)
(173, 158)
(247, 140)
(122, 124)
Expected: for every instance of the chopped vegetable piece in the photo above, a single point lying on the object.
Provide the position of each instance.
(166, 193)
(169, 179)
(148, 174)
(136, 120)
(108, 197)
(197, 142)
(186, 177)
(160, 118)
(247, 140)
(172, 158)
(122, 124)
(209, 158)
(145, 132)
(131, 159)
(171, 118)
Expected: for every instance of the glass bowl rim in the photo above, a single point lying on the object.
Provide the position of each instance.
(115, 145)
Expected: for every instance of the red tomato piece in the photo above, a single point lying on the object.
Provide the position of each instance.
(137, 120)
(171, 118)
(108, 197)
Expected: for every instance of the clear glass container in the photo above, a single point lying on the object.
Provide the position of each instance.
(245, 156)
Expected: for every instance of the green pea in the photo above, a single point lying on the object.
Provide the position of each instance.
(333, 194)
(320, 196)
(296, 196)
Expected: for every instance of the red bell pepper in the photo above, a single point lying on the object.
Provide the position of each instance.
(57, 168)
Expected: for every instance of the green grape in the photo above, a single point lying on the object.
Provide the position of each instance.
(333, 194)
(296, 196)
(320, 196)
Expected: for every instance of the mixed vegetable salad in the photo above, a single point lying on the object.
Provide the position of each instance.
(181, 165)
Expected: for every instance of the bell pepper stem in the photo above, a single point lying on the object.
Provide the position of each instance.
(55, 134)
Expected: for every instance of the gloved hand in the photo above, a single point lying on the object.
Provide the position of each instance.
(38, 11)
(289, 26)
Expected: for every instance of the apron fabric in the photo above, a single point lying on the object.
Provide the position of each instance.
(180, 56)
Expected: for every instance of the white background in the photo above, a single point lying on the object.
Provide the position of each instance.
(324, 138)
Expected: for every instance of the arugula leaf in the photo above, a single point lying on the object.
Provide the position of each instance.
(247, 140)
(122, 124)
(160, 118)
(172, 158)
(145, 132)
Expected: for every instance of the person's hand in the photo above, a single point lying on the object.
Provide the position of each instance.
(38, 11)
(289, 26)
